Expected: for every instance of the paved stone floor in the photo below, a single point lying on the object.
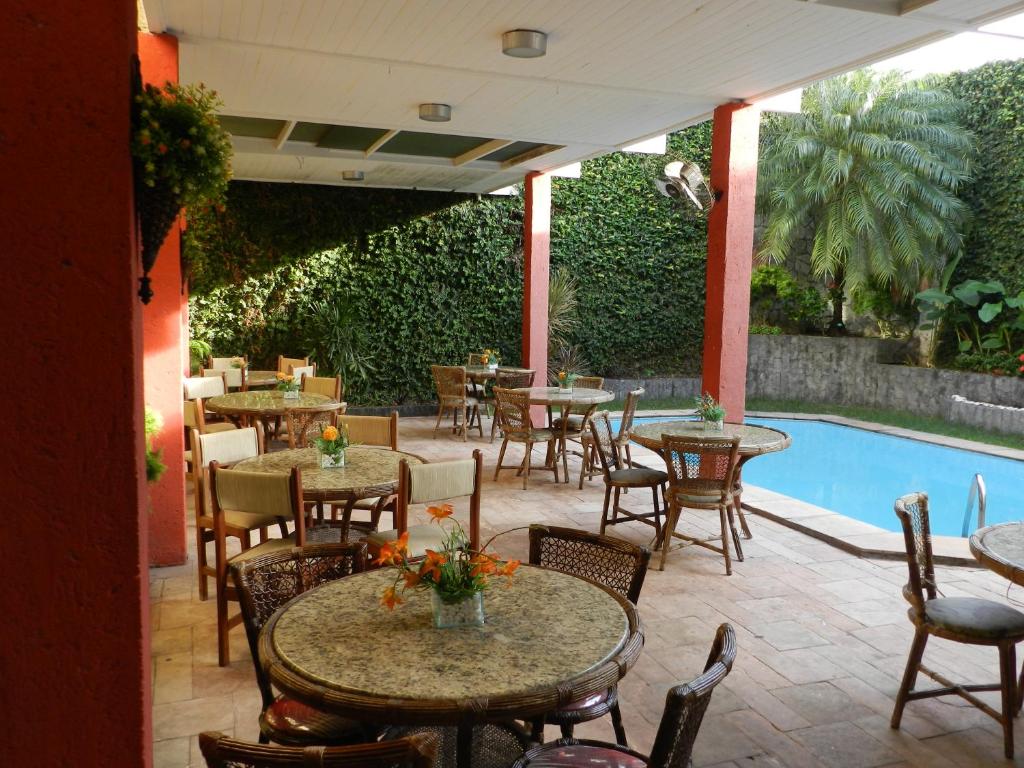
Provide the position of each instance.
(822, 638)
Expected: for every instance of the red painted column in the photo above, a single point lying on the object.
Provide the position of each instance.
(536, 274)
(730, 249)
(75, 631)
(163, 342)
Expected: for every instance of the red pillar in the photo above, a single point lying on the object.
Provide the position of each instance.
(730, 248)
(163, 341)
(536, 274)
(75, 631)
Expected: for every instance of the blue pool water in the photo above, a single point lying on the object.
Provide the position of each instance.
(860, 474)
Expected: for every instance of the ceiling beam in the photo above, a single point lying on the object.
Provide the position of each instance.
(484, 149)
(384, 139)
(529, 155)
(284, 133)
(910, 10)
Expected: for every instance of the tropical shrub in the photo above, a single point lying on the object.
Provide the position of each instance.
(777, 299)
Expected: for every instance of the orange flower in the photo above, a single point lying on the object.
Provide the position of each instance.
(440, 513)
(411, 578)
(508, 568)
(281, 376)
(482, 565)
(432, 565)
(387, 555)
(402, 544)
(390, 599)
(329, 433)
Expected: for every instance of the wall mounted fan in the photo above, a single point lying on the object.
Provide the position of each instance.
(683, 181)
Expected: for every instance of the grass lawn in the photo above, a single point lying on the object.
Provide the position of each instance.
(878, 415)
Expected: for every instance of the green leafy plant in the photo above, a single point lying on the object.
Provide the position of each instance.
(562, 305)
(708, 408)
(776, 298)
(152, 425)
(198, 352)
(873, 164)
(894, 313)
(333, 441)
(765, 330)
(336, 340)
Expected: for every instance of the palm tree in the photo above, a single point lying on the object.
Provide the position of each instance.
(873, 164)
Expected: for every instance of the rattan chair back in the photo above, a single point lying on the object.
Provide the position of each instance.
(512, 410)
(267, 582)
(450, 382)
(209, 385)
(510, 378)
(686, 704)
(912, 510)
(305, 425)
(628, 412)
(615, 563)
(372, 430)
(418, 750)
(589, 382)
(475, 358)
(329, 386)
(285, 364)
(701, 466)
(604, 442)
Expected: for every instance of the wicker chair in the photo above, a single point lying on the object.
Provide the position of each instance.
(285, 364)
(618, 478)
(264, 584)
(330, 386)
(203, 387)
(685, 706)
(417, 751)
(591, 461)
(616, 564)
(225, 448)
(507, 378)
(304, 425)
(572, 429)
(512, 410)
(701, 473)
(970, 620)
(261, 495)
(429, 484)
(450, 381)
(194, 417)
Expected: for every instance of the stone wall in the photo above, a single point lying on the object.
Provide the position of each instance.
(869, 372)
(667, 386)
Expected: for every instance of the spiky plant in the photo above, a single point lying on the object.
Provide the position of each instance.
(562, 304)
(873, 164)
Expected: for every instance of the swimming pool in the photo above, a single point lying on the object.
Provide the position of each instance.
(860, 474)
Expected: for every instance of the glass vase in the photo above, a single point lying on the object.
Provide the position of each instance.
(714, 426)
(465, 613)
(291, 394)
(330, 460)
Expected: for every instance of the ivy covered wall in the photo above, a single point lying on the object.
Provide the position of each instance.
(993, 97)
(433, 276)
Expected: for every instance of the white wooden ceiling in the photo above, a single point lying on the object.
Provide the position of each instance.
(615, 71)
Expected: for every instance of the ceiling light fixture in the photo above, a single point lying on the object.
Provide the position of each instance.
(353, 175)
(524, 43)
(435, 113)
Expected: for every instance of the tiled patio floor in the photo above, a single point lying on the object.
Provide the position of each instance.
(822, 637)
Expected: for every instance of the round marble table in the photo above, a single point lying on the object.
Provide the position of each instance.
(576, 396)
(754, 441)
(263, 404)
(549, 639)
(1000, 548)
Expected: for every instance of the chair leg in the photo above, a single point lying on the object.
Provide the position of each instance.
(537, 731)
(620, 731)
(567, 730)
(615, 505)
(437, 424)
(529, 455)
(501, 456)
(738, 506)
(201, 564)
(1008, 682)
(735, 534)
(565, 457)
(467, 414)
(725, 539)
(604, 509)
(479, 420)
(666, 533)
(657, 511)
(909, 675)
(223, 646)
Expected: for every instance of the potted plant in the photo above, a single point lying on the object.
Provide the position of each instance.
(566, 381)
(288, 385)
(332, 444)
(456, 576)
(182, 158)
(710, 412)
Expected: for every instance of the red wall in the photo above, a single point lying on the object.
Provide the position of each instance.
(74, 663)
(730, 252)
(163, 341)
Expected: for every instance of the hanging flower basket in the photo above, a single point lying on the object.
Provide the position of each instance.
(181, 156)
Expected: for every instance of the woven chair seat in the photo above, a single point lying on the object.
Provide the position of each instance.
(687, 499)
(566, 753)
(536, 436)
(975, 617)
(291, 722)
(637, 477)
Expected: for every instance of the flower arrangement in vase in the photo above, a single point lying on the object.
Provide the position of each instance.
(289, 385)
(456, 576)
(710, 411)
(332, 444)
(566, 381)
(491, 358)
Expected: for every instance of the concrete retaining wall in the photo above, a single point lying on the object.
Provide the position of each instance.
(869, 372)
(668, 386)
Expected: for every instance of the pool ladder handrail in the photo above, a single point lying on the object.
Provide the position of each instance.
(978, 492)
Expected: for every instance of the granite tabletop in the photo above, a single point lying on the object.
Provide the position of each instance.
(544, 629)
(1001, 548)
(576, 396)
(754, 440)
(368, 472)
(267, 403)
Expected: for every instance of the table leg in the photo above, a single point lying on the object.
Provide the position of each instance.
(464, 746)
(737, 502)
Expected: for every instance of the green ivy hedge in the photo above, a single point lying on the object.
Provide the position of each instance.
(993, 96)
(438, 275)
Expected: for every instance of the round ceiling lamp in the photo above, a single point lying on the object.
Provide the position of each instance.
(524, 43)
(435, 113)
(353, 175)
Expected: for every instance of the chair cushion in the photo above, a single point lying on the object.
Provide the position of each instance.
(536, 435)
(685, 498)
(638, 476)
(264, 548)
(421, 538)
(561, 754)
(250, 521)
(294, 721)
(975, 617)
